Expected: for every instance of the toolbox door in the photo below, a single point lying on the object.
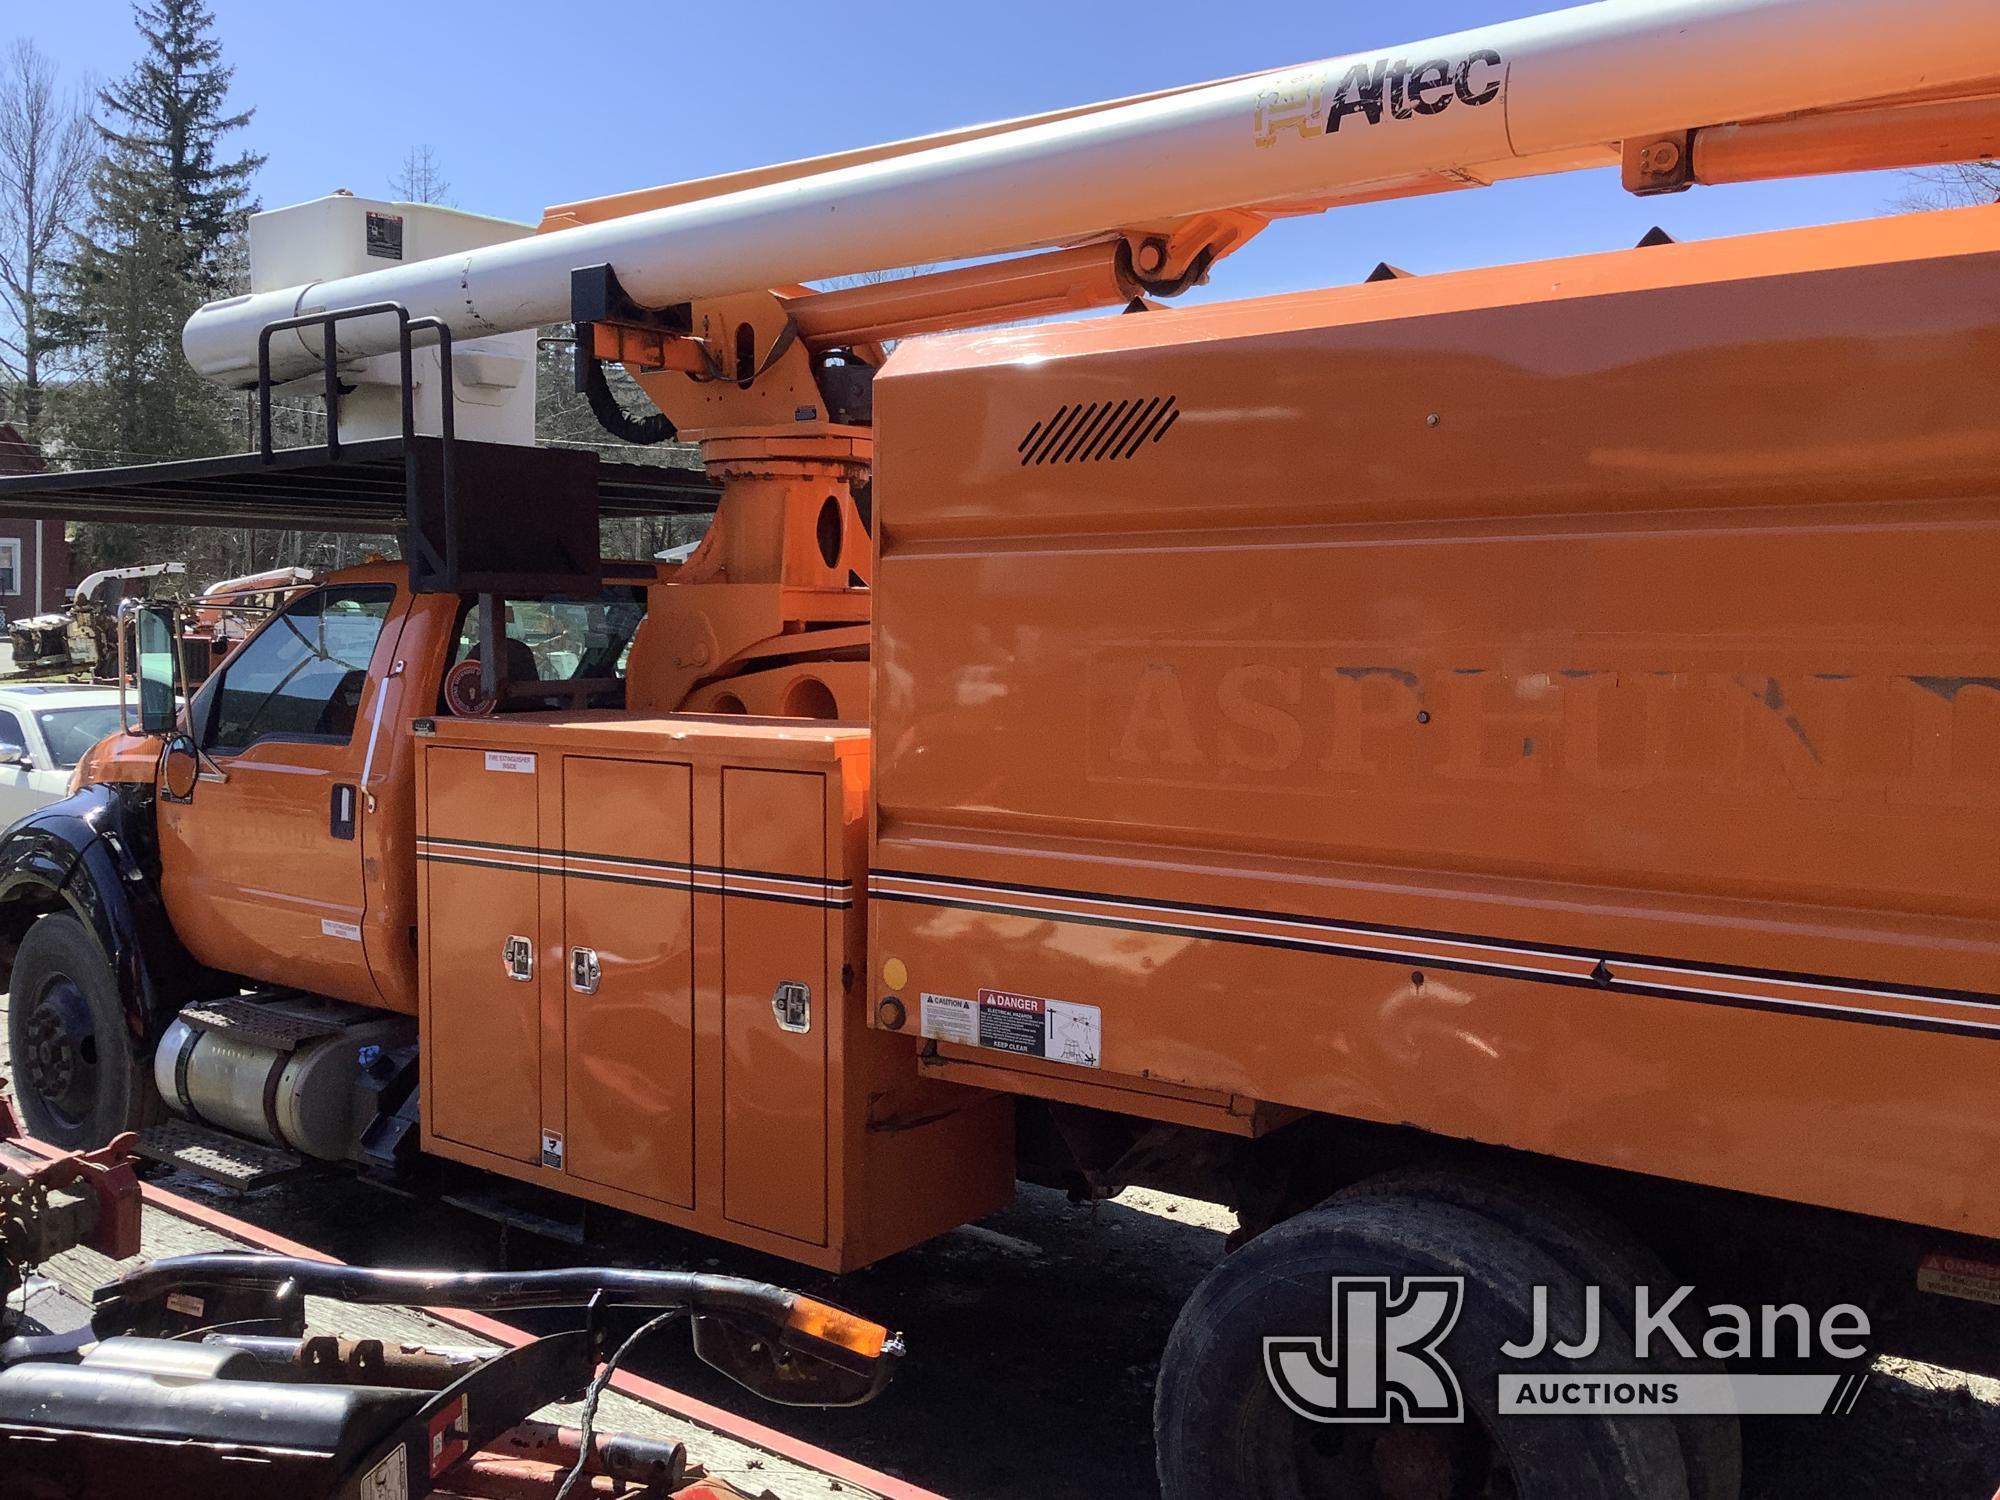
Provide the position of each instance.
(776, 1005)
(481, 946)
(628, 941)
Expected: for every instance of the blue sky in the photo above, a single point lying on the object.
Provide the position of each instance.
(528, 102)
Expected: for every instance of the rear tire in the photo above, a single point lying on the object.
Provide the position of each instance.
(1598, 1251)
(1220, 1427)
(77, 1074)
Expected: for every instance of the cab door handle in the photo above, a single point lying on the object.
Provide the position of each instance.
(340, 819)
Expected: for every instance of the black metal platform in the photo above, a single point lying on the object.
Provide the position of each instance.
(364, 489)
(228, 1159)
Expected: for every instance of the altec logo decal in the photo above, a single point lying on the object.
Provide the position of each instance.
(1376, 91)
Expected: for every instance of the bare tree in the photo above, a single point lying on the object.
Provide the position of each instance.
(1950, 186)
(421, 181)
(47, 150)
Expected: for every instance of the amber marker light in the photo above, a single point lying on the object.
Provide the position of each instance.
(832, 1326)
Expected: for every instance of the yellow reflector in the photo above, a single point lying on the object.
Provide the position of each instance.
(833, 1326)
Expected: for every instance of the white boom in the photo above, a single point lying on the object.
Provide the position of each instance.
(1549, 93)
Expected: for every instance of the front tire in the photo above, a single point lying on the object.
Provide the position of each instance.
(77, 1074)
(1220, 1427)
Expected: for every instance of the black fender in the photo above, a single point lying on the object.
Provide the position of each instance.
(94, 854)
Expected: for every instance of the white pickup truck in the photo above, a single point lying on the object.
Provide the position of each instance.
(45, 728)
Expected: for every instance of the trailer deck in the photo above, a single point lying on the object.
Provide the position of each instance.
(751, 1457)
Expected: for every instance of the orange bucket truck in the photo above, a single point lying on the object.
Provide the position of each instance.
(1494, 775)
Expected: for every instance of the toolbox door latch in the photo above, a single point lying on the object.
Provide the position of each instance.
(584, 970)
(792, 1005)
(518, 958)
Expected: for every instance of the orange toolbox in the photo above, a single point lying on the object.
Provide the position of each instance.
(644, 984)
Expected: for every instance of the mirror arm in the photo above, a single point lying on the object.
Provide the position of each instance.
(121, 624)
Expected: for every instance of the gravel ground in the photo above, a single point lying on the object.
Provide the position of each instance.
(1035, 1337)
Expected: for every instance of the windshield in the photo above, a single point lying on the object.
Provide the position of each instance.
(71, 732)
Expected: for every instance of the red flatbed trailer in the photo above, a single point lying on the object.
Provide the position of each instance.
(729, 1455)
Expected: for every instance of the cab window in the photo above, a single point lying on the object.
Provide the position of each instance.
(302, 675)
(563, 640)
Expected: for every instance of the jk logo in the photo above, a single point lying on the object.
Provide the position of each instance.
(1382, 1360)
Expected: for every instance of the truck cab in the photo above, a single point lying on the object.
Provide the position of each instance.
(292, 862)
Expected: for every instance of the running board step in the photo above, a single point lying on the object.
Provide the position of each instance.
(521, 1205)
(227, 1159)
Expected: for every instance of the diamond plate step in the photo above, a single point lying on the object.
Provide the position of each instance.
(258, 1023)
(227, 1159)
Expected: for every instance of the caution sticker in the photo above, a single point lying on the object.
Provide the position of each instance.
(945, 1018)
(1026, 1025)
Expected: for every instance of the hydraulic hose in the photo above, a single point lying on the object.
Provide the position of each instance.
(617, 421)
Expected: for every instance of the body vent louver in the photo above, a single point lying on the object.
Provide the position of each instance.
(1099, 431)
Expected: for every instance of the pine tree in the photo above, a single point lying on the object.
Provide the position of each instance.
(164, 235)
(163, 165)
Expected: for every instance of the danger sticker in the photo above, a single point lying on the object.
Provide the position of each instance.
(385, 236)
(517, 761)
(1026, 1025)
(451, 1434)
(1955, 1276)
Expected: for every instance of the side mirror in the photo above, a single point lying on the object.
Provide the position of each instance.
(16, 755)
(156, 633)
(180, 768)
